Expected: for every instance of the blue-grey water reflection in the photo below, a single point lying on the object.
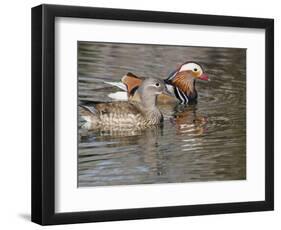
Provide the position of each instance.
(202, 142)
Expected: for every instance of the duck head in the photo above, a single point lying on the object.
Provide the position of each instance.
(150, 89)
(183, 79)
(192, 70)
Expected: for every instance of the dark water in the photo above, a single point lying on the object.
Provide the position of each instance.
(202, 142)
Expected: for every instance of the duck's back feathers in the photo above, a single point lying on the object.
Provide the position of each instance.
(117, 108)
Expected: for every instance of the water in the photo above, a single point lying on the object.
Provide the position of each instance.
(202, 142)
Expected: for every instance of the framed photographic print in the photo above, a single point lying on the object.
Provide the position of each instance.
(142, 114)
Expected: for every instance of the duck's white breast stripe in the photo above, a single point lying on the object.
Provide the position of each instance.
(180, 95)
(183, 97)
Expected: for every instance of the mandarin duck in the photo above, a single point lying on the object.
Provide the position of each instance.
(180, 83)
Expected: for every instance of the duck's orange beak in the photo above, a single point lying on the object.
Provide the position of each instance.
(204, 77)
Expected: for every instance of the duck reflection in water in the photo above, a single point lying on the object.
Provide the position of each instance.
(145, 141)
(188, 121)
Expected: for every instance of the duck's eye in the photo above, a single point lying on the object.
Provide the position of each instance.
(157, 84)
(195, 69)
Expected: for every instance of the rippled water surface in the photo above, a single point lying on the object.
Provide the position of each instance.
(202, 142)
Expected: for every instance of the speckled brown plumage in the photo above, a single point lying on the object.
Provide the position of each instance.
(130, 114)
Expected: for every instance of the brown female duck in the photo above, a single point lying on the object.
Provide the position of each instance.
(130, 114)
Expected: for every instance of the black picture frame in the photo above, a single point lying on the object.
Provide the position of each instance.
(43, 114)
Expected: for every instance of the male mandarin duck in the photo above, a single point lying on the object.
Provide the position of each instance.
(180, 83)
(127, 114)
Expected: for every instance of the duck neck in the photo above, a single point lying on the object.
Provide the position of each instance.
(150, 110)
(186, 85)
(148, 103)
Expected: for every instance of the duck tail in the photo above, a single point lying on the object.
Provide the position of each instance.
(88, 117)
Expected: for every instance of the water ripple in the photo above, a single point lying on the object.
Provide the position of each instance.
(202, 142)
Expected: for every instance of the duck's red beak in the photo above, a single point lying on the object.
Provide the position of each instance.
(204, 77)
